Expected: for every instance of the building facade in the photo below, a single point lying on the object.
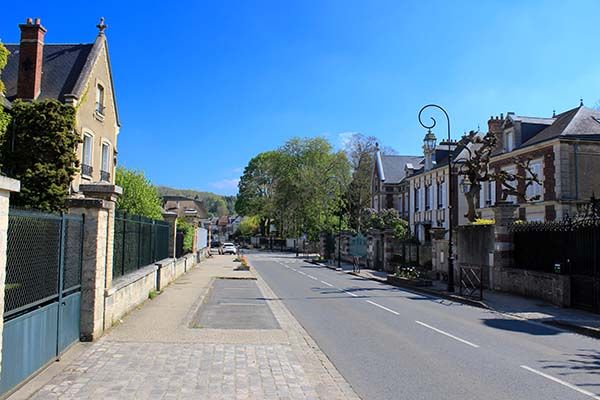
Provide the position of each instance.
(77, 74)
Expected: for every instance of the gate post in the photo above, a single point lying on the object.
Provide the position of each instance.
(7, 185)
(98, 239)
(504, 214)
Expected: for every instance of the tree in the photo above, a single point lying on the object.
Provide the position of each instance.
(41, 153)
(360, 150)
(387, 219)
(139, 197)
(188, 234)
(298, 187)
(475, 169)
(4, 116)
(249, 226)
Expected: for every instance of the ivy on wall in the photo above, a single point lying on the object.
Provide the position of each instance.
(40, 150)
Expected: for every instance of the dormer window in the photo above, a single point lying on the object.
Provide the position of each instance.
(100, 100)
(509, 140)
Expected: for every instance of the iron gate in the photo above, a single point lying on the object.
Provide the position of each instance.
(43, 291)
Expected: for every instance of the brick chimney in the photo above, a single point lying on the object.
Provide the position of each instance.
(495, 127)
(31, 54)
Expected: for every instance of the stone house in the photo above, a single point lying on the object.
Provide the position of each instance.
(564, 151)
(389, 188)
(428, 186)
(78, 74)
(185, 207)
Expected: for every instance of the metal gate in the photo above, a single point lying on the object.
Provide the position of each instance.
(43, 291)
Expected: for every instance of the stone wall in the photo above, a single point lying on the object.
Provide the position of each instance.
(131, 290)
(553, 288)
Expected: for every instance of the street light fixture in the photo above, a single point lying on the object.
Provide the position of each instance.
(450, 208)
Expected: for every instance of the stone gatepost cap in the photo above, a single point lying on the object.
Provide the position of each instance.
(9, 184)
(169, 215)
(87, 203)
(100, 188)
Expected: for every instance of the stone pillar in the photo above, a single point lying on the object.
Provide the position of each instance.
(195, 222)
(388, 249)
(7, 186)
(110, 193)
(171, 218)
(504, 215)
(94, 268)
(439, 249)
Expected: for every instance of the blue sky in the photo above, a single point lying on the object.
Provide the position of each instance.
(204, 86)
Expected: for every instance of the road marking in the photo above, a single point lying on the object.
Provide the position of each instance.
(567, 384)
(447, 334)
(382, 307)
(312, 277)
(294, 269)
(328, 284)
(351, 294)
(301, 272)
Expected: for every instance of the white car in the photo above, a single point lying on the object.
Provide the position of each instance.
(229, 248)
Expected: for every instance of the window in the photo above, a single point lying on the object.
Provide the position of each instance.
(100, 99)
(509, 140)
(427, 197)
(105, 167)
(441, 195)
(490, 193)
(535, 189)
(417, 201)
(512, 198)
(86, 162)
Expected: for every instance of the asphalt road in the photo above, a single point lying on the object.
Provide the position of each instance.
(390, 343)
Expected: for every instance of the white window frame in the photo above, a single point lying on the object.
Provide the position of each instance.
(509, 135)
(511, 170)
(108, 154)
(536, 188)
(100, 96)
(87, 134)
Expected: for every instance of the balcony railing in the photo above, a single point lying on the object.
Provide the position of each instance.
(86, 169)
(105, 176)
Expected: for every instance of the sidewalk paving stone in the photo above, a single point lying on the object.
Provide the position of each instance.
(155, 354)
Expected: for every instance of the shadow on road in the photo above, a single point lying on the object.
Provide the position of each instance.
(515, 325)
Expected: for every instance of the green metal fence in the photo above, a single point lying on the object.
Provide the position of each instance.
(139, 241)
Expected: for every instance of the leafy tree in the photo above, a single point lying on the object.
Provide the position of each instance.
(256, 189)
(249, 226)
(188, 234)
(4, 115)
(139, 197)
(41, 153)
(387, 219)
(360, 150)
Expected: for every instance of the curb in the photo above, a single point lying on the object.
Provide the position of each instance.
(582, 330)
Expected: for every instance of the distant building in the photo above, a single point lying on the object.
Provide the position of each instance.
(185, 207)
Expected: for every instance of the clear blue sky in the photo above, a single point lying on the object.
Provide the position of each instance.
(204, 86)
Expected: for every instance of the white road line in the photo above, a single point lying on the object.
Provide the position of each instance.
(351, 294)
(382, 307)
(447, 334)
(312, 277)
(328, 284)
(294, 269)
(301, 272)
(567, 384)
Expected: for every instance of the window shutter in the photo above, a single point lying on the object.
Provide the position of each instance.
(492, 192)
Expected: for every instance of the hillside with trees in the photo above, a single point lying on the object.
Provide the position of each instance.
(216, 205)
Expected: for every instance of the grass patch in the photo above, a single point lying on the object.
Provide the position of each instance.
(153, 293)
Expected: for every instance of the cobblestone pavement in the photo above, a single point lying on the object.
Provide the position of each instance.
(178, 362)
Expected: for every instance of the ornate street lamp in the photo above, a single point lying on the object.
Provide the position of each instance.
(429, 141)
(450, 207)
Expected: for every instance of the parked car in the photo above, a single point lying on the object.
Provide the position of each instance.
(228, 248)
(215, 248)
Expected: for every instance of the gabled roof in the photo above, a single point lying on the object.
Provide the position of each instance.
(393, 166)
(61, 67)
(66, 69)
(578, 122)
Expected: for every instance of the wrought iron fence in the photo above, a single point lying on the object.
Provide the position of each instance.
(38, 244)
(139, 241)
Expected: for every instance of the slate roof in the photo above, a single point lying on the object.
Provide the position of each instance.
(393, 166)
(62, 66)
(580, 122)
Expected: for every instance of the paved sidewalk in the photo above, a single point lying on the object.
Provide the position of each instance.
(155, 354)
(513, 305)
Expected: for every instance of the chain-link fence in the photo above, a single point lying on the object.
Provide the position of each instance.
(37, 245)
(138, 241)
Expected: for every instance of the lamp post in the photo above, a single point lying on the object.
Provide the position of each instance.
(450, 208)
